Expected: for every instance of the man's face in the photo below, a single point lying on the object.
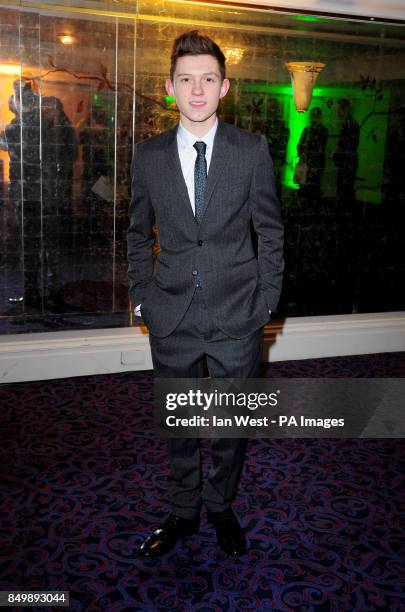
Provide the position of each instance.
(315, 118)
(197, 87)
(342, 112)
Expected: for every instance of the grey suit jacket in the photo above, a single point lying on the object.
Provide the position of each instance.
(239, 289)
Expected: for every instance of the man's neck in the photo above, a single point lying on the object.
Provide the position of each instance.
(198, 129)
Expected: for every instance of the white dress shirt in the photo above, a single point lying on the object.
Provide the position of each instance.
(188, 154)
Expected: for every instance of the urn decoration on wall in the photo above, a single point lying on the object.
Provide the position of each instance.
(303, 78)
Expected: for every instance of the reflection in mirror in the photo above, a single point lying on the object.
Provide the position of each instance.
(79, 87)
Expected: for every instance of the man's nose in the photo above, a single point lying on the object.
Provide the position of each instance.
(197, 88)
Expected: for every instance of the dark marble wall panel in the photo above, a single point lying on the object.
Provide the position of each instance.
(70, 113)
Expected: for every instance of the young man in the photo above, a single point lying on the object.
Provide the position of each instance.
(203, 182)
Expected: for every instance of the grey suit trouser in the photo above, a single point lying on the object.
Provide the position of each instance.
(181, 355)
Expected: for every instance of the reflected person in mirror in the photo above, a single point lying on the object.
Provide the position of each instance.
(346, 158)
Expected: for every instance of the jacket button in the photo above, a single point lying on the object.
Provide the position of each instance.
(200, 243)
(194, 273)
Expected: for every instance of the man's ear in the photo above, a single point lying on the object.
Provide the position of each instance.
(170, 88)
(224, 88)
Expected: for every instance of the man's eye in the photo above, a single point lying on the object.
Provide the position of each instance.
(184, 80)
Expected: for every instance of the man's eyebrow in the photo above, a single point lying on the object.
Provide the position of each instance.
(204, 74)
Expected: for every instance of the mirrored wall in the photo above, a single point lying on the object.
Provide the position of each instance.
(81, 82)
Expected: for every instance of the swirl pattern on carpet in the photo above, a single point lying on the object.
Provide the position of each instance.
(83, 483)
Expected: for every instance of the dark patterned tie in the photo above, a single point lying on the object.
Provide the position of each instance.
(200, 179)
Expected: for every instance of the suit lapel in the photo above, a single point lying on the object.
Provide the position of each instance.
(177, 173)
(218, 160)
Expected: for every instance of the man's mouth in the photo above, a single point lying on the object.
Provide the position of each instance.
(196, 104)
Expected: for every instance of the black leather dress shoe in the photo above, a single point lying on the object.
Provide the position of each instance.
(229, 533)
(163, 539)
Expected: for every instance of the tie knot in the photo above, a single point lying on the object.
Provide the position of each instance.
(200, 147)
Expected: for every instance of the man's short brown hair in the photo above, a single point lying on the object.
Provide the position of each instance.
(193, 43)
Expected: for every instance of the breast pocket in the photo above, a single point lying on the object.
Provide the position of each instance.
(236, 185)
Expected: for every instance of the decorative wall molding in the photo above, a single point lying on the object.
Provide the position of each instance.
(45, 356)
(127, 9)
(387, 10)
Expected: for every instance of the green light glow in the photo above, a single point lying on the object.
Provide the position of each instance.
(309, 18)
(296, 123)
(371, 152)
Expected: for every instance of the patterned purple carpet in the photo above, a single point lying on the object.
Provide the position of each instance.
(82, 483)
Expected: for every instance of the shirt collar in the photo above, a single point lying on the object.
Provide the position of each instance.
(187, 139)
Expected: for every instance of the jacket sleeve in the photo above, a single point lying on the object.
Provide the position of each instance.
(268, 225)
(140, 236)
